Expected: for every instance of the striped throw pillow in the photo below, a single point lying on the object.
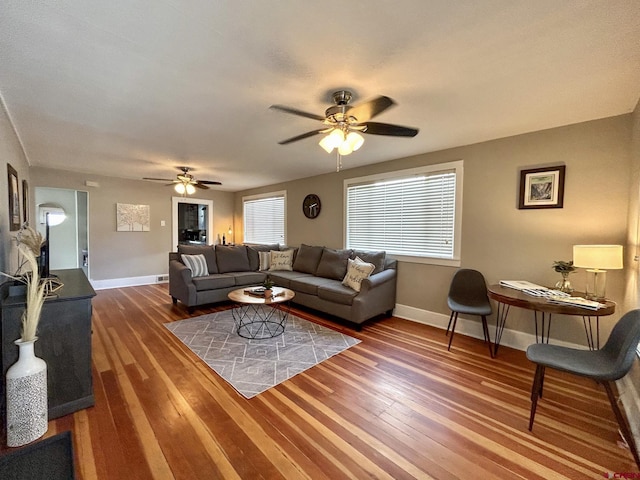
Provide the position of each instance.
(197, 264)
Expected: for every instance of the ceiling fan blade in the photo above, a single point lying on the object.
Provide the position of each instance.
(375, 128)
(295, 111)
(300, 137)
(157, 179)
(367, 110)
(209, 182)
(200, 185)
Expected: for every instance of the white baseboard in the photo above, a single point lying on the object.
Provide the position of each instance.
(128, 282)
(472, 328)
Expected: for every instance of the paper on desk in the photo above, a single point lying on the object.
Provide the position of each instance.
(576, 302)
(521, 285)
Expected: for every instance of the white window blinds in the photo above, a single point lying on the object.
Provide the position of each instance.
(413, 215)
(264, 220)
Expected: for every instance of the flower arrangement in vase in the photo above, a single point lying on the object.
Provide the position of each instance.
(564, 269)
(26, 380)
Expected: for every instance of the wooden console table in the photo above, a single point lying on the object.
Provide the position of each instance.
(64, 342)
(542, 312)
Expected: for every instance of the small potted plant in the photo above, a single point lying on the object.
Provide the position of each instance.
(268, 286)
(564, 269)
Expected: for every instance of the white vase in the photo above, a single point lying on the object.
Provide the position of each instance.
(27, 416)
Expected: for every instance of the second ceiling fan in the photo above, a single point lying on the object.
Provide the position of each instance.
(343, 123)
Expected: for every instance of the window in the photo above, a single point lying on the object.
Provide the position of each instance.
(264, 218)
(415, 215)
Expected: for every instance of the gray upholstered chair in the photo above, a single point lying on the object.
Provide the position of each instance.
(610, 363)
(468, 295)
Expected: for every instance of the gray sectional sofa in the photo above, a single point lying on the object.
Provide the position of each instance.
(315, 275)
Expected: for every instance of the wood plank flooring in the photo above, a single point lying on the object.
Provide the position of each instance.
(396, 406)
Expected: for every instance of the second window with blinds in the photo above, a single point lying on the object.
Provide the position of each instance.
(414, 215)
(264, 218)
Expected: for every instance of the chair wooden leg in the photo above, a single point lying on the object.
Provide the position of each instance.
(453, 329)
(449, 325)
(485, 331)
(536, 391)
(624, 426)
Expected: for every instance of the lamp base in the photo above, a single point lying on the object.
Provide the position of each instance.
(596, 284)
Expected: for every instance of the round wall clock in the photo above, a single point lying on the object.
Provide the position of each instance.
(311, 206)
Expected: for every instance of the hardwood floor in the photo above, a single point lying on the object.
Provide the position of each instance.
(395, 406)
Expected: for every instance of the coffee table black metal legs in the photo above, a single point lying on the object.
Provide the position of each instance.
(259, 321)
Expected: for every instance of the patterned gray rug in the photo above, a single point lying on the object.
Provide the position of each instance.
(253, 366)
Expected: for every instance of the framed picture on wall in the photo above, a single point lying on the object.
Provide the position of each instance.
(25, 201)
(542, 187)
(14, 199)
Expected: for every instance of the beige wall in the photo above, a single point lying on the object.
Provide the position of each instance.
(11, 153)
(117, 255)
(497, 238)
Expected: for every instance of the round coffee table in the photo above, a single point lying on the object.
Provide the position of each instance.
(258, 318)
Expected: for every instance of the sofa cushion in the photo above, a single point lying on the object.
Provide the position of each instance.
(282, 278)
(357, 271)
(214, 282)
(337, 293)
(309, 284)
(281, 260)
(232, 258)
(197, 264)
(249, 278)
(253, 251)
(206, 250)
(333, 263)
(377, 258)
(308, 259)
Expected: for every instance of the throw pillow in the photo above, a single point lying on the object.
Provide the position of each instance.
(307, 259)
(197, 264)
(265, 260)
(357, 271)
(253, 251)
(206, 250)
(281, 260)
(377, 258)
(333, 263)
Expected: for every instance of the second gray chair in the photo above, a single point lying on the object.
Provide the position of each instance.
(610, 363)
(468, 295)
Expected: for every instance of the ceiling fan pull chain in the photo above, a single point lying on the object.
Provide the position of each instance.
(338, 162)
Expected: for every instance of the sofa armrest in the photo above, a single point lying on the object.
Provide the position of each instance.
(377, 295)
(181, 284)
(378, 279)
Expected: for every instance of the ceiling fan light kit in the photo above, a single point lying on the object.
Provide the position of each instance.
(344, 121)
(185, 183)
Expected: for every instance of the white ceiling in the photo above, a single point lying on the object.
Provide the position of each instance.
(133, 88)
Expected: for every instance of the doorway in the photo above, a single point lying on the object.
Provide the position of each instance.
(192, 221)
(69, 240)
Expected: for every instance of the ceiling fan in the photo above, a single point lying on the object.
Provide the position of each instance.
(344, 123)
(185, 182)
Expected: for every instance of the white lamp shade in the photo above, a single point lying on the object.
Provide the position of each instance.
(601, 257)
(190, 189)
(331, 141)
(355, 140)
(180, 188)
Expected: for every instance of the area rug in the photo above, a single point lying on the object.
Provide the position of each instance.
(253, 366)
(48, 459)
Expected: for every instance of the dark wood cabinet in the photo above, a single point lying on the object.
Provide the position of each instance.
(64, 343)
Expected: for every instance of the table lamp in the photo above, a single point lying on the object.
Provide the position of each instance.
(597, 259)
